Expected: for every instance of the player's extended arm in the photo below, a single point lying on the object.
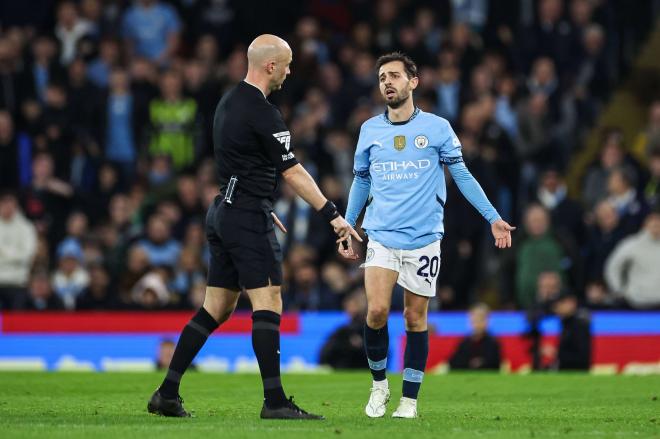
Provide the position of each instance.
(473, 192)
(357, 197)
(304, 185)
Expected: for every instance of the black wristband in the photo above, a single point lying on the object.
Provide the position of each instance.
(329, 211)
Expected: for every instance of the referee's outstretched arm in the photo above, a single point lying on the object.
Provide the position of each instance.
(305, 186)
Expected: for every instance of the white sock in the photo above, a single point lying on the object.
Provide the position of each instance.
(381, 384)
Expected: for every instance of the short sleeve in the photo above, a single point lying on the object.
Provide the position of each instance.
(361, 162)
(275, 137)
(450, 146)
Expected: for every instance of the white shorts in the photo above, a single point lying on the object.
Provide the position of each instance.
(418, 269)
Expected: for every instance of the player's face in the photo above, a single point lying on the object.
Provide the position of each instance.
(395, 85)
(281, 71)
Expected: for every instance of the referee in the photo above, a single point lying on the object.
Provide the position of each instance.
(252, 145)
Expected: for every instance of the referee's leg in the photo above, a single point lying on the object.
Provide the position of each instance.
(219, 304)
(266, 311)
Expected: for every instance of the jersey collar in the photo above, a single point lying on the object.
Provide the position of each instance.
(252, 85)
(412, 116)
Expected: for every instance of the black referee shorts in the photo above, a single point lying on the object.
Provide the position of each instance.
(244, 250)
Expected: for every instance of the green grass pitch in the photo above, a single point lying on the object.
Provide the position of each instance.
(98, 405)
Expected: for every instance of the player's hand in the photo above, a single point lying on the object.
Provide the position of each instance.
(502, 233)
(344, 230)
(346, 250)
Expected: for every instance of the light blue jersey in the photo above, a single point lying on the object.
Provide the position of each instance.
(399, 170)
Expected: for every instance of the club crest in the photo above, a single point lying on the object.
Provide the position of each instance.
(421, 142)
(370, 254)
(399, 142)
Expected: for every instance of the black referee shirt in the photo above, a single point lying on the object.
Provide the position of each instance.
(250, 141)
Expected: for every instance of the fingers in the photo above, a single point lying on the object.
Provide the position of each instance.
(346, 252)
(355, 234)
(278, 223)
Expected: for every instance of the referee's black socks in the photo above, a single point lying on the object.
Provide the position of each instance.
(192, 339)
(266, 345)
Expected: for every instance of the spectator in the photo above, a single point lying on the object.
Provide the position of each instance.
(70, 28)
(603, 237)
(537, 252)
(150, 293)
(173, 118)
(611, 157)
(632, 271)
(307, 292)
(42, 71)
(479, 350)
(161, 249)
(165, 353)
(117, 124)
(8, 152)
(652, 188)
(151, 29)
(70, 278)
(137, 265)
(548, 288)
(188, 272)
(344, 348)
(19, 244)
(98, 295)
(40, 295)
(623, 196)
(574, 352)
(99, 70)
(649, 139)
(566, 214)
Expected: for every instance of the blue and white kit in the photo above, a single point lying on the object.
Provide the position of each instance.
(399, 174)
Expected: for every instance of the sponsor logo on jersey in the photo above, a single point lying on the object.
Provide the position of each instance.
(284, 137)
(455, 141)
(403, 170)
(404, 165)
(399, 142)
(421, 141)
(288, 156)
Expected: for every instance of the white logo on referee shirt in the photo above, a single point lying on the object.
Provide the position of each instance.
(284, 137)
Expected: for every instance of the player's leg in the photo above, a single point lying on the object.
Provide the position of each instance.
(417, 349)
(379, 283)
(418, 277)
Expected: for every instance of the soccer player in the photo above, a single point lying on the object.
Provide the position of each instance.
(398, 170)
(252, 145)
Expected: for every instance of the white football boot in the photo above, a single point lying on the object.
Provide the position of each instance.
(380, 395)
(407, 408)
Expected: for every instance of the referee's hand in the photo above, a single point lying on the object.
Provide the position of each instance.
(345, 232)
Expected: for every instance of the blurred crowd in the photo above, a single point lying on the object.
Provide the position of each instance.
(106, 166)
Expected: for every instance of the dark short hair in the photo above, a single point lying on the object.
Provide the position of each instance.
(408, 64)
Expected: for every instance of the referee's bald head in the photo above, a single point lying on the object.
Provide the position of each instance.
(269, 55)
(266, 48)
